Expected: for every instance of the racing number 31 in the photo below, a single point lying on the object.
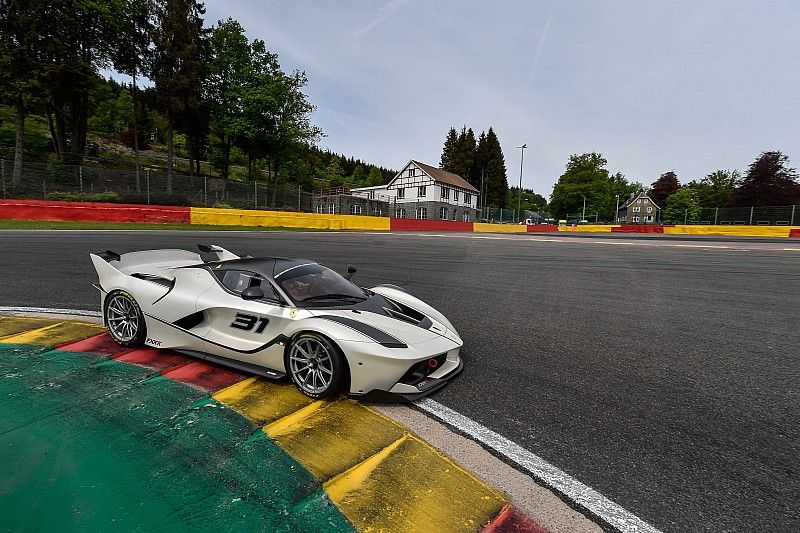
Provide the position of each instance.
(248, 322)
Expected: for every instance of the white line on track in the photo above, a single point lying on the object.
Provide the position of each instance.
(76, 312)
(587, 498)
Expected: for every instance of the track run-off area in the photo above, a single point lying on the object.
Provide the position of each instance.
(662, 373)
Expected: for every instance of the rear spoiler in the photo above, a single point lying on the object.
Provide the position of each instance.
(221, 253)
(109, 256)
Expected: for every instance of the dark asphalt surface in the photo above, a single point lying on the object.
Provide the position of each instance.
(666, 377)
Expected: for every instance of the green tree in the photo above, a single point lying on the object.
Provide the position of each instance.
(113, 113)
(666, 185)
(359, 176)
(79, 39)
(131, 55)
(769, 182)
(494, 170)
(375, 177)
(465, 153)
(716, 189)
(177, 66)
(21, 30)
(448, 159)
(682, 206)
(333, 173)
(585, 176)
(530, 201)
(229, 71)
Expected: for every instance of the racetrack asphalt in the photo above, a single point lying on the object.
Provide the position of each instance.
(664, 374)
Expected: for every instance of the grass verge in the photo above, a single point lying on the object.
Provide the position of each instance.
(44, 224)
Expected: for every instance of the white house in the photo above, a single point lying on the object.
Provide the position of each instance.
(426, 192)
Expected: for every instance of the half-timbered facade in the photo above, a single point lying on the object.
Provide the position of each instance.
(425, 192)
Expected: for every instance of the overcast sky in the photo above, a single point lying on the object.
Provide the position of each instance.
(690, 86)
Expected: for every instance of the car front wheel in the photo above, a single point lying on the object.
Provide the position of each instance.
(316, 365)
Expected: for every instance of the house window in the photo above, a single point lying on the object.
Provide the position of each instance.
(648, 218)
(377, 212)
(466, 216)
(411, 172)
(400, 213)
(443, 213)
(355, 209)
(649, 209)
(639, 201)
(445, 193)
(332, 209)
(455, 196)
(401, 193)
(371, 195)
(421, 190)
(637, 209)
(454, 214)
(422, 213)
(634, 219)
(467, 199)
(320, 208)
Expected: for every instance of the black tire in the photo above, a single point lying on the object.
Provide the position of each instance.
(316, 365)
(124, 319)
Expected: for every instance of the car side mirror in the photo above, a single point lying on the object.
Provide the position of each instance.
(252, 293)
(351, 270)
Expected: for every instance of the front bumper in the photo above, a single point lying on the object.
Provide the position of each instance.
(430, 385)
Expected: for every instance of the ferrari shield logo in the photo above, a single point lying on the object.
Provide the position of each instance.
(293, 313)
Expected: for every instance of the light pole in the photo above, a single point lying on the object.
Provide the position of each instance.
(521, 159)
(583, 213)
(616, 213)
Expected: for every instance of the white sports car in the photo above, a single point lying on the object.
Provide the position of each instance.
(275, 316)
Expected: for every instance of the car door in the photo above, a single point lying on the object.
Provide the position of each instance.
(244, 330)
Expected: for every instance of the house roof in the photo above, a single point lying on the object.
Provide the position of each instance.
(641, 194)
(443, 176)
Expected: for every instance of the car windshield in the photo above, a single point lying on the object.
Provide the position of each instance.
(317, 283)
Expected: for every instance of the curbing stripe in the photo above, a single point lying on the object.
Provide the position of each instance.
(512, 520)
(362, 456)
(54, 334)
(585, 497)
(49, 310)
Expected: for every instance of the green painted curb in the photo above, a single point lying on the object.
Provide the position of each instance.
(88, 443)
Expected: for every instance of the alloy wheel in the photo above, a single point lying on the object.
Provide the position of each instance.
(122, 318)
(311, 365)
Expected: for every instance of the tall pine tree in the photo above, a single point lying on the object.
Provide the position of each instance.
(447, 161)
(495, 178)
(465, 153)
(178, 64)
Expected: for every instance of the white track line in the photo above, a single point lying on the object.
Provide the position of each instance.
(77, 312)
(572, 489)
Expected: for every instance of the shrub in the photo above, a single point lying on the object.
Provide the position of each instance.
(105, 197)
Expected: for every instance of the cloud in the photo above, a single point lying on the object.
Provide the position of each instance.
(385, 13)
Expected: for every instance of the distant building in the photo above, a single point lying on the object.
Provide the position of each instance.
(344, 201)
(425, 192)
(639, 209)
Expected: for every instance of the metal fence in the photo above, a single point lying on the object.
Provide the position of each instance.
(85, 182)
(501, 215)
(750, 216)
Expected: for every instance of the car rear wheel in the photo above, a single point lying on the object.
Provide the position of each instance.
(124, 319)
(316, 365)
